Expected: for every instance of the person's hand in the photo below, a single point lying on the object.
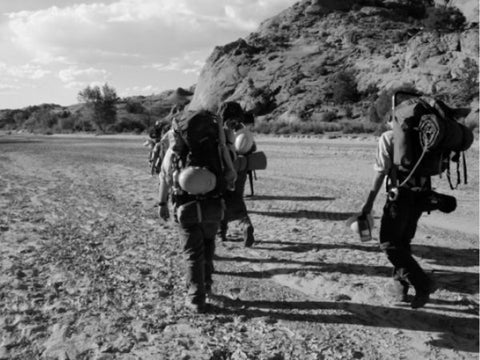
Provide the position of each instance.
(163, 212)
(368, 206)
(366, 209)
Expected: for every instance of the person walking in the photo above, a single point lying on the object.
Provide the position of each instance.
(193, 175)
(407, 156)
(235, 121)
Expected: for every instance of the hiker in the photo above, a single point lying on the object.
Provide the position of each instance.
(409, 189)
(159, 138)
(241, 143)
(195, 172)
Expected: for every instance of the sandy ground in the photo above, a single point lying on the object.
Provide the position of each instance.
(87, 271)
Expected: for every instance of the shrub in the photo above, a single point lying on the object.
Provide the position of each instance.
(344, 88)
(468, 83)
(328, 116)
(66, 124)
(444, 18)
(348, 111)
(126, 124)
(358, 127)
(134, 107)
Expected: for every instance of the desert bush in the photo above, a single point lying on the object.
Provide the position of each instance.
(66, 124)
(348, 111)
(344, 88)
(358, 127)
(444, 18)
(467, 89)
(134, 107)
(82, 123)
(126, 124)
(327, 116)
(41, 120)
(102, 102)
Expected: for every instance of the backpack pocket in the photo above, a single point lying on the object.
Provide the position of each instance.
(201, 211)
(257, 161)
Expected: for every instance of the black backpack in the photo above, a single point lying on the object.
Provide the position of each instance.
(427, 137)
(199, 145)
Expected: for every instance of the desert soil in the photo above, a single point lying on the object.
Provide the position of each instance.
(88, 272)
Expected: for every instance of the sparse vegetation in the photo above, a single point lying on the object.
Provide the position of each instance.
(344, 88)
(444, 18)
(101, 102)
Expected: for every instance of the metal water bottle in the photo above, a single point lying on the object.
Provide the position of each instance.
(364, 229)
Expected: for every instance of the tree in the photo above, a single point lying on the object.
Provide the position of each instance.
(102, 103)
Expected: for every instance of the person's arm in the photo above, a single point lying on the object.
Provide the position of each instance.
(376, 186)
(383, 164)
(163, 211)
(164, 186)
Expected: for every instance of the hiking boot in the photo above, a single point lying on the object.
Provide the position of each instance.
(422, 296)
(248, 238)
(197, 308)
(398, 290)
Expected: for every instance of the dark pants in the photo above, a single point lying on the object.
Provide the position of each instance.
(198, 242)
(235, 204)
(397, 229)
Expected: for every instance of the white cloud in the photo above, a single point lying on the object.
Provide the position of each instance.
(189, 63)
(74, 77)
(140, 90)
(23, 72)
(136, 30)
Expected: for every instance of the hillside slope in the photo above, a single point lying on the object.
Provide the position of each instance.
(290, 66)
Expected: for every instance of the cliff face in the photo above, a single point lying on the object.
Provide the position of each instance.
(287, 67)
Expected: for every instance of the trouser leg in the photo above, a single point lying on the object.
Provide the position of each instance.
(398, 227)
(193, 252)
(209, 231)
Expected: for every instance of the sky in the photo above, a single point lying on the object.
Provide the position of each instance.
(52, 49)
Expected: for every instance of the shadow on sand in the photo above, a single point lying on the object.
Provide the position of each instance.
(306, 214)
(457, 333)
(289, 198)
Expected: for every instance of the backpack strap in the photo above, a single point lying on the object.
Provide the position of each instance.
(409, 176)
(465, 180)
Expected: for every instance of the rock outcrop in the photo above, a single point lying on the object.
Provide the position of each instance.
(288, 65)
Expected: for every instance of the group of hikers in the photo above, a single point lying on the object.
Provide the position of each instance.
(206, 156)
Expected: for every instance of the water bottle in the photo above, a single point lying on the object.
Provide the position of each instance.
(364, 229)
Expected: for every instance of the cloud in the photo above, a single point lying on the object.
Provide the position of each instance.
(23, 72)
(74, 77)
(140, 90)
(136, 31)
(189, 63)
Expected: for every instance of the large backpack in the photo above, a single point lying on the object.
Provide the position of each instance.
(197, 145)
(427, 137)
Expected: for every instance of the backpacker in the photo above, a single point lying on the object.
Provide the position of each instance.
(198, 152)
(427, 137)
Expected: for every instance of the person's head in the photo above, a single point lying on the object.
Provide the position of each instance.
(389, 97)
(233, 115)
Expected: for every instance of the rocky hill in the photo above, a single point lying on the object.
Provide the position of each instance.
(336, 56)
